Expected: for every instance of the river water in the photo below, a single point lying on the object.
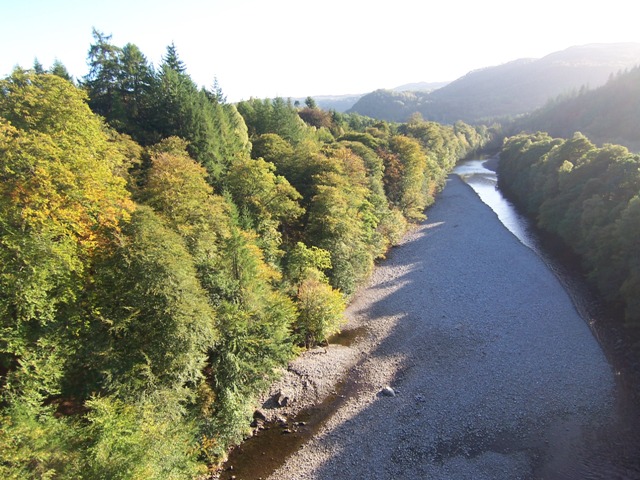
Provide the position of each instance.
(485, 183)
(615, 452)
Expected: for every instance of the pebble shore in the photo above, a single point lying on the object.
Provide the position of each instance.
(470, 362)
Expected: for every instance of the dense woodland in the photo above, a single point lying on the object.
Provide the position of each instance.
(590, 198)
(164, 253)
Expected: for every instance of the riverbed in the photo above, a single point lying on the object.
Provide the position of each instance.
(492, 372)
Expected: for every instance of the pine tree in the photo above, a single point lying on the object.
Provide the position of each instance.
(102, 80)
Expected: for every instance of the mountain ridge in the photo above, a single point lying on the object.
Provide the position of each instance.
(510, 89)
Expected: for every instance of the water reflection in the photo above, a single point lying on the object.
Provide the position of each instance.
(485, 184)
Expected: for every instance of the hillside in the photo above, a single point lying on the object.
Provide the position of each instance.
(608, 114)
(339, 103)
(342, 103)
(511, 89)
(420, 87)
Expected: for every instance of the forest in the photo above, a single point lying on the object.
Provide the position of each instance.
(589, 197)
(608, 114)
(164, 253)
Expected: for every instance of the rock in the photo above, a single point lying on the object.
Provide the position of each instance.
(388, 391)
(282, 398)
(259, 415)
(257, 423)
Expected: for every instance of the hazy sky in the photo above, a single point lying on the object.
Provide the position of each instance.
(267, 48)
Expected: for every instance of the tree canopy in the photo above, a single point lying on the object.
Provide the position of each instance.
(588, 196)
(163, 254)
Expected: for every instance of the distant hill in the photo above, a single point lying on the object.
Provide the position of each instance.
(339, 103)
(512, 89)
(342, 103)
(608, 114)
(420, 87)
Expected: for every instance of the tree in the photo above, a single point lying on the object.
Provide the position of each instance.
(60, 197)
(588, 197)
(321, 311)
(340, 217)
(176, 186)
(143, 440)
(267, 200)
(102, 80)
(628, 233)
(37, 67)
(317, 118)
(304, 261)
(255, 322)
(215, 132)
(172, 61)
(135, 84)
(310, 103)
(158, 319)
(277, 116)
(407, 186)
(61, 202)
(60, 70)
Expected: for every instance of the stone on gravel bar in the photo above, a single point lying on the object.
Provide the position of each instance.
(259, 415)
(388, 391)
(282, 398)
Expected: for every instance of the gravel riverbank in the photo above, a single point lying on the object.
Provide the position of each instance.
(493, 372)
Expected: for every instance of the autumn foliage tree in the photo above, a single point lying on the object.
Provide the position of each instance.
(163, 254)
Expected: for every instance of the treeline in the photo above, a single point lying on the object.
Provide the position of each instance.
(590, 198)
(163, 253)
(608, 114)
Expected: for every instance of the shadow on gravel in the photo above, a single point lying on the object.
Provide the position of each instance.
(496, 374)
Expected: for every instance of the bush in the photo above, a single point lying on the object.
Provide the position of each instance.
(320, 311)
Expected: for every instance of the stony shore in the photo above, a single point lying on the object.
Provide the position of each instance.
(492, 372)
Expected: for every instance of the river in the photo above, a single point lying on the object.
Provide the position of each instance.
(616, 451)
(497, 377)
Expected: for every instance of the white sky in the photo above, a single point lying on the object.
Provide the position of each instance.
(297, 48)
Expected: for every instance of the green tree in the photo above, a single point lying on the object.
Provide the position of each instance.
(268, 202)
(341, 218)
(586, 196)
(406, 181)
(255, 323)
(61, 202)
(102, 80)
(321, 311)
(146, 439)
(277, 116)
(60, 70)
(60, 197)
(158, 319)
(310, 103)
(215, 132)
(37, 67)
(135, 84)
(172, 61)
